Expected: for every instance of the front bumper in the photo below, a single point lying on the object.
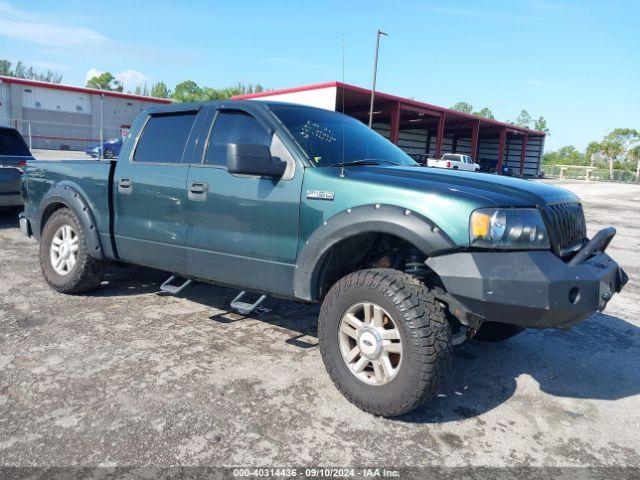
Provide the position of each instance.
(531, 289)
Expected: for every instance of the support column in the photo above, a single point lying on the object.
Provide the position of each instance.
(475, 134)
(523, 152)
(503, 138)
(440, 135)
(428, 145)
(395, 123)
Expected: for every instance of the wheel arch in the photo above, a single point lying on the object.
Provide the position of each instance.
(359, 223)
(69, 196)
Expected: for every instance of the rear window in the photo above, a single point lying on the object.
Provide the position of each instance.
(11, 143)
(164, 138)
(450, 157)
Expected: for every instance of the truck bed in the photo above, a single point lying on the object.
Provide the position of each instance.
(90, 177)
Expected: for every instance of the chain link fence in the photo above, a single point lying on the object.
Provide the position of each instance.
(61, 136)
(580, 172)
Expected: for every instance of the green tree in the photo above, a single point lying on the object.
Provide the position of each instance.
(187, 91)
(142, 90)
(634, 156)
(627, 138)
(160, 90)
(105, 81)
(486, 113)
(22, 71)
(464, 107)
(5, 67)
(524, 119)
(568, 155)
(593, 151)
(611, 149)
(541, 125)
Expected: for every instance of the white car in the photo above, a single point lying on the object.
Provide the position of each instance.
(455, 161)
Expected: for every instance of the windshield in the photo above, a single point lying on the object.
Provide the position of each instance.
(331, 138)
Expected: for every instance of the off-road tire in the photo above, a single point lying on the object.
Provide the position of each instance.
(88, 271)
(425, 332)
(497, 332)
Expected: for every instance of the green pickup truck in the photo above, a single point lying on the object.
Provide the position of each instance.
(311, 205)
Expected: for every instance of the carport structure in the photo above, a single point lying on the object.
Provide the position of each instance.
(425, 130)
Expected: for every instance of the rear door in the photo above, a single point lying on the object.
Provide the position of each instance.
(242, 230)
(150, 193)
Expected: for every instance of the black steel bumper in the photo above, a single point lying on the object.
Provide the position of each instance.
(532, 289)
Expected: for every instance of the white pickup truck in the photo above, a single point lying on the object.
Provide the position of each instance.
(455, 161)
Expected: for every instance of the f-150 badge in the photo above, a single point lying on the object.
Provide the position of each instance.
(320, 195)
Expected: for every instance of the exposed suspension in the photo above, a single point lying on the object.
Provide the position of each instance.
(414, 264)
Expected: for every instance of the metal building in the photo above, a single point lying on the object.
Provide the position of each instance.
(63, 117)
(422, 129)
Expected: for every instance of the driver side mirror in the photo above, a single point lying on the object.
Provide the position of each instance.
(246, 159)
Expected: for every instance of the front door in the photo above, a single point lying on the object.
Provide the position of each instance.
(242, 230)
(150, 194)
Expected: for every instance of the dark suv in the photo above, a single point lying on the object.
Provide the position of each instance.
(14, 154)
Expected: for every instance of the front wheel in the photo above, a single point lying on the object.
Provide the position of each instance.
(64, 256)
(384, 340)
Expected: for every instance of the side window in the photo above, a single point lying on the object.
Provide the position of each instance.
(233, 126)
(164, 138)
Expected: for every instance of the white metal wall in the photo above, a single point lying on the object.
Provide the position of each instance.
(321, 97)
(55, 100)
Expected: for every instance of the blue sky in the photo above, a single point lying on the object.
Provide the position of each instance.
(575, 62)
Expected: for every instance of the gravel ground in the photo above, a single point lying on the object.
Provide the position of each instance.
(60, 155)
(125, 376)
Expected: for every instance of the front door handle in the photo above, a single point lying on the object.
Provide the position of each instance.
(198, 191)
(125, 185)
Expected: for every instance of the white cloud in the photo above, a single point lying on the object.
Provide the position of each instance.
(130, 78)
(534, 82)
(44, 30)
(93, 72)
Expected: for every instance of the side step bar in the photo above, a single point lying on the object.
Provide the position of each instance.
(174, 289)
(245, 308)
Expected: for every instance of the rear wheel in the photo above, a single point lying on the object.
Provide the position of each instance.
(384, 340)
(64, 256)
(497, 332)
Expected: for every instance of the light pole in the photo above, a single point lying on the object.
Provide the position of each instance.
(375, 71)
(101, 126)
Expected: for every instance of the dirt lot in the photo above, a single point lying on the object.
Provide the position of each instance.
(125, 376)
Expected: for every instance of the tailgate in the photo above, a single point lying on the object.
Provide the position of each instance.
(10, 180)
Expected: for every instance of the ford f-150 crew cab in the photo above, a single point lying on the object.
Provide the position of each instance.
(311, 205)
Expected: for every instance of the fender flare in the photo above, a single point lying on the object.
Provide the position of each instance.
(406, 224)
(71, 197)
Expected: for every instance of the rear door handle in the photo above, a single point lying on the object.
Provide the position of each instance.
(125, 185)
(198, 191)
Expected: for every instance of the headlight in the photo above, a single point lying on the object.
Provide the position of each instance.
(511, 228)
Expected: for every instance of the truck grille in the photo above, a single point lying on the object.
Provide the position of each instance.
(569, 225)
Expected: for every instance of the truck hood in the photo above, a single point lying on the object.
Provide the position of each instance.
(487, 189)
